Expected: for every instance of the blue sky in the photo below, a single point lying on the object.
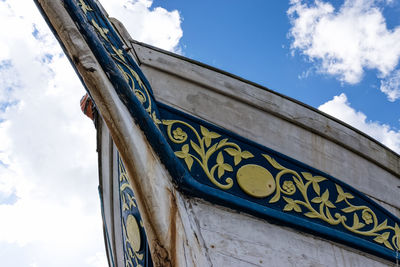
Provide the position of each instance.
(253, 40)
(339, 56)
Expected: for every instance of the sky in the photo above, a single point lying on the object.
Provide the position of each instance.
(339, 56)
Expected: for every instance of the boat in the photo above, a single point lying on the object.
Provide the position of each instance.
(199, 167)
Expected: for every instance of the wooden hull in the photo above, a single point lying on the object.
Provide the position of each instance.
(203, 168)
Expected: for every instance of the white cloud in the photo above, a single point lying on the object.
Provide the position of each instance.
(340, 108)
(391, 86)
(346, 41)
(49, 205)
(156, 26)
(48, 173)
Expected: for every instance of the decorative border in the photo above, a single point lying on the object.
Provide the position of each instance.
(296, 200)
(250, 171)
(116, 49)
(136, 248)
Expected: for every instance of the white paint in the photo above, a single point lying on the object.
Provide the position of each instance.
(275, 121)
(237, 239)
(207, 235)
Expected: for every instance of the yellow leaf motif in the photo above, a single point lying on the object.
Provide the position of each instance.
(124, 185)
(275, 198)
(246, 155)
(189, 162)
(222, 167)
(291, 205)
(238, 155)
(202, 151)
(234, 153)
(316, 188)
(184, 154)
(396, 237)
(288, 182)
(155, 119)
(324, 199)
(273, 162)
(138, 94)
(102, 31)
(307, 175)
(196, 147)
(314, 180)
(316, 200)
(382, 226)
(356, 222)
(342, 195)
(299, 183)
(118, 52)
(208, 135)
(383, 239)
(85, 8)
(168, 122)
(222, 143)
(140, 257)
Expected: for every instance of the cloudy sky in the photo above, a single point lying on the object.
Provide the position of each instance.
(340, 56)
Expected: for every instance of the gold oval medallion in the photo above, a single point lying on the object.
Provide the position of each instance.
(133, 233)
(255, 180)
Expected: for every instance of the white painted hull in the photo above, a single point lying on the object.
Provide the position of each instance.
(183, 230)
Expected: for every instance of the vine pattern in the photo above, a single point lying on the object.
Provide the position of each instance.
(358, 219)
(133, 256)
(204, 149)
(130, 75)
(368, 225)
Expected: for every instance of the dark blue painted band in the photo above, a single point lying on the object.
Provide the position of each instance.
(129, 207)
(182, 177)
(198, 189)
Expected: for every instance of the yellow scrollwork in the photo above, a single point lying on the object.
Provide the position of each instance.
(254, 180)
(367, 226)
(130, 226)
(132, 256)
(287, 184)
(102, 31)
(85, 8)
(204, 147)
(129, 74)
